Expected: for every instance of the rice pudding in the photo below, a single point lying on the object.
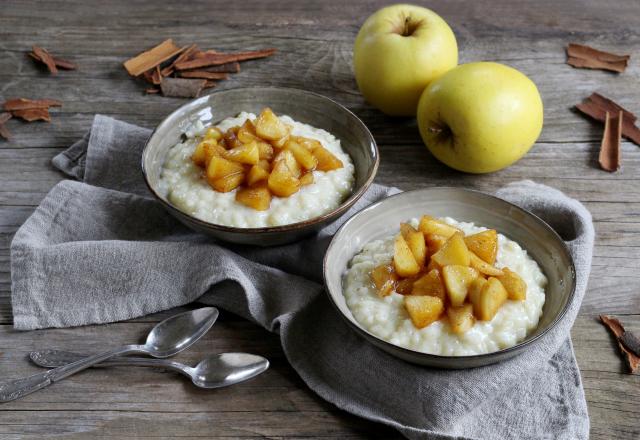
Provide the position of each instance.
(184, 183)
(386, 315)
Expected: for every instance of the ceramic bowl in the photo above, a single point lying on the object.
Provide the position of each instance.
(306, 107)
(383, 218)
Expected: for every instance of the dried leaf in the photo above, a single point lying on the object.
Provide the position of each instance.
(182, 87)
(609, 158)
(4, 117)
(592, 108)
(154, 57)
(25, 104)
(45, 58)
(203, 74)
(587, 57)
(214, 59)
(616, 327)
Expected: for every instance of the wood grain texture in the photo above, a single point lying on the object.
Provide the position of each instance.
(314, 42)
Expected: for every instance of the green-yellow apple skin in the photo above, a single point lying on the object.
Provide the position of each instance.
(392, 69)
(480, 117)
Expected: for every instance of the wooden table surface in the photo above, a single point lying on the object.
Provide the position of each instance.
(315, 50)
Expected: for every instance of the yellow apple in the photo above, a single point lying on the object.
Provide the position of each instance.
(399, 50)
(480, 117)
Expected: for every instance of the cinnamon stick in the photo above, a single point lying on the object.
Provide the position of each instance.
(214, 59)
(33, 114)
(4, 132)
(203, 74)
(233, 67)
(609, 158)
(59, 63)
(153, 57)
(593, 108)
(616, 327)
(17, 104)
(182, 87)
(45, 58)
(582, 56)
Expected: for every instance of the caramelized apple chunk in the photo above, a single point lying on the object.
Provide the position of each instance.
(484, 244)
(403, 260)
(430, 225)
(282, 182)
(220, 167)
(454, 251)
(457, 280)
(423, 310)
(257, 174)
(327, 161)
(245, 153)
(228, 183)
(288, 158)
(483, 267)
(269, 126)
(384, 278)
(430, 284)
(461, 318)
(306, 178)
(257, 197)
(492, 296)
(302, 155)
(515, 286)
(213, 133)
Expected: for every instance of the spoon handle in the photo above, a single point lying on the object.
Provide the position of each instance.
(18, 388)
(59, 358)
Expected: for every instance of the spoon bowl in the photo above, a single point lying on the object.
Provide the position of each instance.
(178, 332)
(226, 369)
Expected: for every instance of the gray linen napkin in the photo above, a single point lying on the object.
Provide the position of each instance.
(103, 250)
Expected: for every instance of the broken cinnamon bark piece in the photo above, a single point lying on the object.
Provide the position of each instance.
(182, 87)
(46, 58)
(58, 62)
(15, 104)
(609, 158)
(152, 91)
(596, 108)
(4, 132)
(33, 114)
(153, 57)
(214, 59)
(616, 327)
(203, 74)
(581, 56)
(209, 84)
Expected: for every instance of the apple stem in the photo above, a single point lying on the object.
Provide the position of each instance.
(406, 31)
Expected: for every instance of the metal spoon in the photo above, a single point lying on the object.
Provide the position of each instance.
(217, 371)
(166, 339)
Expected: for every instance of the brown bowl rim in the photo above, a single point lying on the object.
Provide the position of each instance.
(344, 206)
(490, 357)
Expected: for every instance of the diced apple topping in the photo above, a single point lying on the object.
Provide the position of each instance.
(257, 197)
(423, 310)
(326, 160)
(430, 284)
(492, 296)
(454, 251)
(515, 286)
(484, 244)
(482, 266)
(430, 225)
(262, 159)
(457, 279)
(384, 278)
(441, 271)
(403, 260)
(282, 182)
(269, 126)
(461, 318)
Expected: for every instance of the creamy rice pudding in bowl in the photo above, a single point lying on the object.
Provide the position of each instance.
(449, 277)
(262, 166)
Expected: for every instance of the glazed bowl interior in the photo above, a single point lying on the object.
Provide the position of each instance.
(383, 218)
(302, 106)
